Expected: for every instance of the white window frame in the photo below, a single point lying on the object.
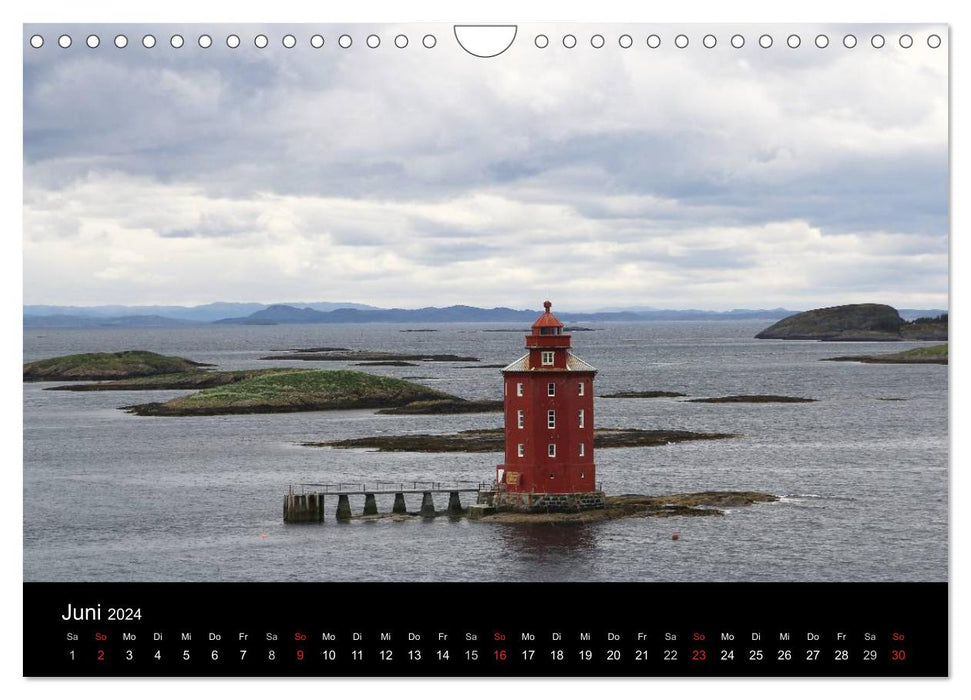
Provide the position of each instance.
(583, 453)
(580, 385)
(520, 418)
(551, 449)
(546, 358)
(521, 450)
(551, 389)
(551, 419)
(519, 388)
(582, 415)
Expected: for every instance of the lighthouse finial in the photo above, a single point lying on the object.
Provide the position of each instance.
(547, 304)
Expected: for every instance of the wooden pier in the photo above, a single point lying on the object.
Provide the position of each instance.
(306, 503)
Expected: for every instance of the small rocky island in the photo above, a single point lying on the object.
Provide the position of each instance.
(642, 395)
(491, 440)
(935, 355)
(360, 356)
(856, 322)
(107, 365)
(754, 398)
(707, 503)
(300, 390)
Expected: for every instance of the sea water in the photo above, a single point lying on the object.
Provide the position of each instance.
(862, 472)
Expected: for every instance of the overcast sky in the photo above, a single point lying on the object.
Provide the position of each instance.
(705, 178)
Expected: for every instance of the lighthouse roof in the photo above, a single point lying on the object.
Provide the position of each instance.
(547, 320)
(573, 364)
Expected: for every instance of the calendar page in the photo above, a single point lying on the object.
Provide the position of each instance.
(526, 349)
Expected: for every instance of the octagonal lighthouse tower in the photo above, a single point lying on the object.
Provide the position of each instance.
(548, 401)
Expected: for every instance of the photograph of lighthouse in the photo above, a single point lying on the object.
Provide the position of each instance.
(600, 303)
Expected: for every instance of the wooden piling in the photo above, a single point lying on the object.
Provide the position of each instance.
(427, 505)
(399, 504)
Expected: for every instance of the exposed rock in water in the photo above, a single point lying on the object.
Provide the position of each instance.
(642, 395)
(106, 365)
(387, 363)
(936, 355)
(444, 406)
(754, 398)
(708, 503)
(855, 322)
(343, 355)
(492, 440)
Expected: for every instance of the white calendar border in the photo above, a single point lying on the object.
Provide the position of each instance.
(493, 11)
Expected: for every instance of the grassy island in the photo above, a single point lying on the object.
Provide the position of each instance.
(856, 322)
(935, 355)
(296, 390)
(107, 365)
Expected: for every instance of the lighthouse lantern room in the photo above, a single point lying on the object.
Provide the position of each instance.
(548, 401)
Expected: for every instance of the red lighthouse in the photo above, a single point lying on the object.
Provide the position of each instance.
(549, 426)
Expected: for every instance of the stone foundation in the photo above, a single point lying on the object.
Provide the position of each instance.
(549, 502)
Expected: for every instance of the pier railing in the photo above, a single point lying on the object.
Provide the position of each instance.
(376, 487)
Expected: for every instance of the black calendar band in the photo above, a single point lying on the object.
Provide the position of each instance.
(485, 629)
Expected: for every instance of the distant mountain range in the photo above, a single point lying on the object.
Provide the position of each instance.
(204, 313)
(224, 313)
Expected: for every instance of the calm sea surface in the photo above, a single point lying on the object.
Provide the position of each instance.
(110, 496)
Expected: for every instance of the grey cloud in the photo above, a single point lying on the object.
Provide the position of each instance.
(454, 161)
